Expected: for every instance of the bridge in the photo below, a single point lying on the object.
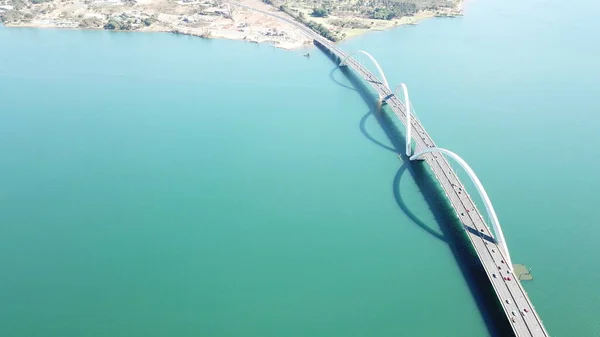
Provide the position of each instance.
(490, 248)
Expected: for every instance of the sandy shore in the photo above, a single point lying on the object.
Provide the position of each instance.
(207, 19)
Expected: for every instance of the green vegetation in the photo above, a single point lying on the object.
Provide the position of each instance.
(319, 12)
(19, 4)
(397, 9)
(113, 24)
(368, 9)
(125, 22)
(317, 27)
(15, 14)
(10, 16)
(150, 20)
(121, 22)
(92, 22)
(350, 23)
(322, 30)
(357, 14)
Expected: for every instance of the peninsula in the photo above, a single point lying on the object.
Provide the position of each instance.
(251, 20)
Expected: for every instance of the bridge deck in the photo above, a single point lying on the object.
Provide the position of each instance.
(510, 293)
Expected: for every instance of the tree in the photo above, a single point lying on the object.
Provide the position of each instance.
(319, 12)
(382, 14)
(10, 16)
(112, 25)
(149, 20)
(92, 22)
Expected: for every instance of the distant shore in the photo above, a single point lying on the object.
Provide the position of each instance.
(249, 20)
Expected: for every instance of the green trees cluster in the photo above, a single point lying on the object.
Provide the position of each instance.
(150, 20)
(350, 23)
(393, 10)
(369, 9)
(10, 16)
(115, 24)
(92, 22)
(123, 22)
(322, 30)
(320, 12)
(317, 27)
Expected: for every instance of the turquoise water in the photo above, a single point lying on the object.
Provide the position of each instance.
(160, 185)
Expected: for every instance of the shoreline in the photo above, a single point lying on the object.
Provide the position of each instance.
(406, 21)
(294, 46)
(247, 20)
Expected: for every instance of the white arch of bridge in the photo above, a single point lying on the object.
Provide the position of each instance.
(486, 200)
(381, 74)
(408, 117)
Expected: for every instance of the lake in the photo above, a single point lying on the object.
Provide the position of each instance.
(163, 185)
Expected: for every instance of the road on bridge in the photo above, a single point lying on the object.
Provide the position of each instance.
(515, 302)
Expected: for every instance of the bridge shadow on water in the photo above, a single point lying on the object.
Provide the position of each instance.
(452, 232)
(338, 82)
(363, 130)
